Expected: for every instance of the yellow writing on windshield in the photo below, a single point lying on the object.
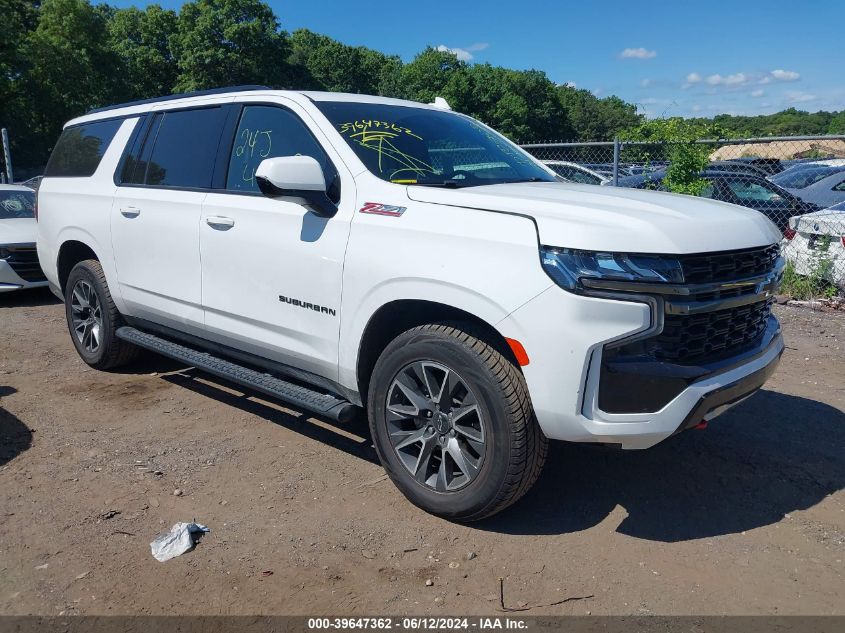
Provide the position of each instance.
(378, 136)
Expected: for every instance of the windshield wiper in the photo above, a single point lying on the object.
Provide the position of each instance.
(448, 184)
(532, 179)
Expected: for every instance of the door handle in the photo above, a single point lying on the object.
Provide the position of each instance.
(130, 212)
(220, 222)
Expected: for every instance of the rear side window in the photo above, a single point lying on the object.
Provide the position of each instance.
(80, 149)
(179, 150)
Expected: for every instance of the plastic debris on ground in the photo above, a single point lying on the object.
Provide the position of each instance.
(178, 541)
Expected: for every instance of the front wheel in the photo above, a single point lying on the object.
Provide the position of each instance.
(452, 423)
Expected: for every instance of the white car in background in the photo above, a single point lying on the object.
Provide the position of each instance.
(818, 240)
(573, 172)
(19, 266)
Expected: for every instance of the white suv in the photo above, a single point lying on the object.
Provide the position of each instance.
(344, 251)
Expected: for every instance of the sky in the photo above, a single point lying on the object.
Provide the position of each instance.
(671, 58)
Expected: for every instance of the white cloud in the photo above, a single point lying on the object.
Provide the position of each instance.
(637, 53)
(785, 75)
(736, 79)
(463, 54)
(645, 83)
(693, 78)
(795, 96)
(757, 93)
(765, 80)
(696, 108)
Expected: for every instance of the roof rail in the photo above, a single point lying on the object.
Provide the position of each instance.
(181, 95)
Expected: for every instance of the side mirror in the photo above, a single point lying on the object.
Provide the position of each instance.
(295, 177)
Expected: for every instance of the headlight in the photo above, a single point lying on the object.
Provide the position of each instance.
(568, 267)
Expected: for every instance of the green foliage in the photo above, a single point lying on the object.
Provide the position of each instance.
(326, 64)
(69, 69)
(789, 122)
(595, 119)
(814, 285)
(141, 40)
(59, 58)
(674, 139)
(837, 123)
(229, 42)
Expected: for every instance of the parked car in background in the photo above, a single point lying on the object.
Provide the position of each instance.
(744, 189)
(606, 169)
(33, 182)
(573, 172)
(739, 166)
(804, 175)
(769, 165)
(19, 266)
(824, 189)
(817, 244)
(830, 162)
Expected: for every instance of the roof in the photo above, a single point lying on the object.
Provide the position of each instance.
(190, 98)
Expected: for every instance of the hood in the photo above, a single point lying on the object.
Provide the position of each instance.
(18, 231)
(615, 218)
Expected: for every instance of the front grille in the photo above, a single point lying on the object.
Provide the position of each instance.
(710, 335)
(24, 261)
(728, 266)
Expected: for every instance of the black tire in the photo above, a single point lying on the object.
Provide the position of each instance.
(110, 351)
(515, 449)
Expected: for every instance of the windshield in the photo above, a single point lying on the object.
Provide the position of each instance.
(408, 145)
(17, 204)
(801, 178)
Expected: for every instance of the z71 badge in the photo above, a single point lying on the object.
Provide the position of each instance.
(377, 208)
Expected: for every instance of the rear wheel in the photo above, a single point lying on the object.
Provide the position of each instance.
(93, 319)
(452, 423)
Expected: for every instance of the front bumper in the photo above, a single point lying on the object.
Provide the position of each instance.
(10, 279)
(565, 370)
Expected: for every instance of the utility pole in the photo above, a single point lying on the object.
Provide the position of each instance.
(8, 155)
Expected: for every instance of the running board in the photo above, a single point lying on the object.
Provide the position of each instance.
(300, 397)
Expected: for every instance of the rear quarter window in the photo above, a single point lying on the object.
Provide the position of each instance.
(80, 149)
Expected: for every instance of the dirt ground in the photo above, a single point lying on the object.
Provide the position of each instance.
(745, 517)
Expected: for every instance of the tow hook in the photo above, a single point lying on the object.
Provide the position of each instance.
(701, 425)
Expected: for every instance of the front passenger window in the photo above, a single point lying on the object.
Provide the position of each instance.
(267, 132)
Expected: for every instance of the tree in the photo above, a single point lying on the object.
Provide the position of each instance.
(229, 42)
(519, 104)
(69, 69)
(837, 124)
(674, 139)
(19, 19)
(336, 67)
(427, 75)
(595, 119)
(141, 40)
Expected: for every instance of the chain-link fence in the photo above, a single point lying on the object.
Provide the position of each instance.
(797, 182)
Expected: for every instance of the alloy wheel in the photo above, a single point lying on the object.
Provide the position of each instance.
(435, 426)
(86, 316)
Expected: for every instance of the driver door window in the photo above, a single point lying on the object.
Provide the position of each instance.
(749, 191)
(268, 132)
